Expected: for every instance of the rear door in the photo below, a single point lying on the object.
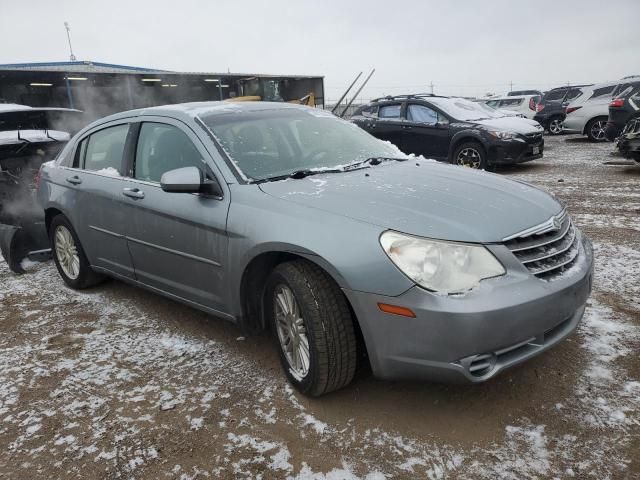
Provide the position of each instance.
(96, 182)
(389, 124)
(425, 132)
(178, 241)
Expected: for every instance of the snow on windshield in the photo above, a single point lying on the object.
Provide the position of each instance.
(271, 143)
(465, 110)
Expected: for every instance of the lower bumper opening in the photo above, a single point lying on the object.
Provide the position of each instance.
(485, 364)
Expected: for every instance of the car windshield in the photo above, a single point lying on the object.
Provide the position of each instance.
(278, 142)
(465, 110)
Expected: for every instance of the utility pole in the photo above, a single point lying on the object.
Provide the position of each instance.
(431, 85)
(72, 57)
(511, 86)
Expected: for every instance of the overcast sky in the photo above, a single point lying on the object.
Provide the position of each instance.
(464, 47)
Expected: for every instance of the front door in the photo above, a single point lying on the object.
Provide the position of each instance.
(178, 241)
(425, 132)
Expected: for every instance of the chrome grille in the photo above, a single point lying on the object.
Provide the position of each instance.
(548, 249)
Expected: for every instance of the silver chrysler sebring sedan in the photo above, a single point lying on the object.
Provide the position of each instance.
(285, 218)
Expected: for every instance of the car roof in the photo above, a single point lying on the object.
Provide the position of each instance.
(188, 111)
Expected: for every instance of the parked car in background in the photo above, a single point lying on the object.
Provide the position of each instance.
(588, 113)
(624, 106)
(523, 104)
(550, 110)
(628, 143)
(452, 129)
(517, 93)
(284, 217)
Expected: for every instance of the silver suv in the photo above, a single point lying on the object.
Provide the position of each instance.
(285, 218)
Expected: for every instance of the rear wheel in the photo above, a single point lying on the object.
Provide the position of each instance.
(471, 155)
(69, 257)
(596, 129)
(555, 126)
(313, 327)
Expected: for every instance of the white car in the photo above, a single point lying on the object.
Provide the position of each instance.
(524, 105)
(587, 114)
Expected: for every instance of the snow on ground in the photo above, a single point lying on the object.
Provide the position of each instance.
(117, 383)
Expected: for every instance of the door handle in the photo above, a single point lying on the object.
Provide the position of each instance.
(133, 193)
(75, 180)
(406, 127)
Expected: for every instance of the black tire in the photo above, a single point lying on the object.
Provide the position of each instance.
(86, 277)
(471, 146)
(328, 326)
(595, 129)
(555, 126)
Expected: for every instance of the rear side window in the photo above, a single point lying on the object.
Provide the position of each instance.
(601, 92)
(103, 150)
(421, 114)
(368, 111)
(554, 95)
(571, 94)
(389, 111)
(511, 102)
(161, 148)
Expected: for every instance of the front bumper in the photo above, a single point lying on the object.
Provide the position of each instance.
(515, 151)
(473, 337)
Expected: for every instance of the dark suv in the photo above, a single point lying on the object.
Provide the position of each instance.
(451, 129)
(550, 111)
(623, 107)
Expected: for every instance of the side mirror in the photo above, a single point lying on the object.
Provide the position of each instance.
(189, 180)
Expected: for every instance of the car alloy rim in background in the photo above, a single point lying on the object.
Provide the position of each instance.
(555, 126)
(292, 333)
(469, 157)
(66, 252)
(597, 129)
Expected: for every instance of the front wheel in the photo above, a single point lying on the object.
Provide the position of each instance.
(312, 326)
(555, 126)
(596, 129)
(471, 155)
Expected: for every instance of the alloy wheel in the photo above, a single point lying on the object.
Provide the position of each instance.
(555, 127)
(66, 252)
(292, 332)
(598, 129)
(469, 157)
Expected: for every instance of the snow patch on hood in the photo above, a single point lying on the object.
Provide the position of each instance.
(512, 124)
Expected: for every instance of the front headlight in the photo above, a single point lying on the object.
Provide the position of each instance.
(440, 266)
(502, 135)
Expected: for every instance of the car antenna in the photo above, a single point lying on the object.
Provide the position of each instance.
(357, 93)
(335, 107)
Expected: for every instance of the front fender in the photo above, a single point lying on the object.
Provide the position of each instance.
(468, 133)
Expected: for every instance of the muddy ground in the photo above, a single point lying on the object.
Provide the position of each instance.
(116, 382)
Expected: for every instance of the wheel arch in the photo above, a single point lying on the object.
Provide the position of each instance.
(260, 264)
(592, 119)
(49, 214)
(465, 136)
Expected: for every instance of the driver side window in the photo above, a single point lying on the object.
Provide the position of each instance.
(161, 148)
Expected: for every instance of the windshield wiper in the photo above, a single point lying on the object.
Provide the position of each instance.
(298, 174)
(307, 172)
(373, 161)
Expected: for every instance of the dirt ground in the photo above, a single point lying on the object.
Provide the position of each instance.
(116, 382)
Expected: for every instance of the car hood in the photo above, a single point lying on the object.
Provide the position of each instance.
(424, 198)
(512, 124)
